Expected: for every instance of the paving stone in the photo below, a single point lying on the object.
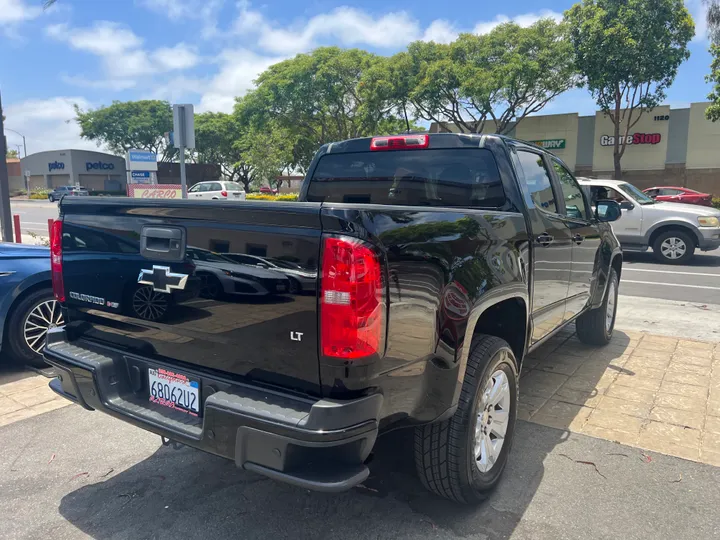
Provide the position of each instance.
(610, 435)
(683, 403)
(615, 421)
(542, 384)
(562, 415)
(28, 398)
(691, 419)
(622, 406)
(687, 378)
(8, 406)
(688, 390)
(661, 446)
(577, 397)
(632, 381)
(711, 441)
(683, 367)
(530, 404)
(712, 424)
(631, 394)
(643, 371)
(713, 408)
(704, 361)
(642, 362)
(702, 345)
(28, 383)
(670, 434)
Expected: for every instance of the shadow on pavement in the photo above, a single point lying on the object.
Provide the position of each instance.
(201, 496)
(700, 260)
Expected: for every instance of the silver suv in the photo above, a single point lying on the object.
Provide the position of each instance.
(673, 230)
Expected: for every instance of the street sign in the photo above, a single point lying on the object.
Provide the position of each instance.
(184, 126)
(141, 177)
(141, 160)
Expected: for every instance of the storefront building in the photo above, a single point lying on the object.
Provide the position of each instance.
(95, 171)
(667, 146)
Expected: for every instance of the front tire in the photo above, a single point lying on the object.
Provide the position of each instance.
(28, 326)
(674, 247)
(595, 327)
(462, 459)
(51, 198)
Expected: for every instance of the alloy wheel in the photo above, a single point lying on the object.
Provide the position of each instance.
(492, 421)
(149, 304)
(673, 248)
(41, 318)
(610, 310)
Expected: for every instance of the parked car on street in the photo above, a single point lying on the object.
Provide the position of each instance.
(679, 194)
(673, 230)
(267, 190)
(480, 247)
(300, 278)
(75, 191)
(27, 305)
(219, 190)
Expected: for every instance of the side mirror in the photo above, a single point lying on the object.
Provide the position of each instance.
(627, 205)
(608, 211)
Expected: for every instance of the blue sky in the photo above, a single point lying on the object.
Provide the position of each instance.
(205, 52)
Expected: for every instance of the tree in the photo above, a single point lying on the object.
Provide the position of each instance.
(11, 154)
(713, 111)
(713, 19)
(628, 52)
(132, 124)
(327, 95)
(503, 76)
(270, 154)
(219, 139)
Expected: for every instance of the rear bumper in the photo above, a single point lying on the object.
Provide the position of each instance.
(320, 445)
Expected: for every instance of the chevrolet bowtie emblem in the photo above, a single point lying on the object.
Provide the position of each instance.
(162, 279)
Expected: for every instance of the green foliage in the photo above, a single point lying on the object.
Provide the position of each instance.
(132, 124)
(268, 197)
(628, 52)
(713, 111)
(502, 76)
(269, 152)
(465, 227)
(327, 95)
(218, 139)
(716, 202)
(713, 20)
(38, 196)
(11, 154)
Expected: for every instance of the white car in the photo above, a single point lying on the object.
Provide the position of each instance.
(673, 230)
(219, 190)
(301, 279)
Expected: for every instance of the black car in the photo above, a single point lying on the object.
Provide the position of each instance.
(57, 193)
(441, 261)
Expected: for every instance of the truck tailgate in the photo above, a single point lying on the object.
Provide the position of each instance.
(227, 287)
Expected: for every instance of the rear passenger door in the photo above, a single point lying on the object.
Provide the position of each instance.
(552, 247)
(585, 239)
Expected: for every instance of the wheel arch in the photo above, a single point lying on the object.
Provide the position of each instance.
(29, 289)
(664, 226)
(502, 312)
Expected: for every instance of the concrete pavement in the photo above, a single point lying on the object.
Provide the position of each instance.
(75, 474)
(34, 215)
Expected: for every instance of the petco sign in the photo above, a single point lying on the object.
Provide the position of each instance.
(636, 138)
(56, 166)
(99, 165)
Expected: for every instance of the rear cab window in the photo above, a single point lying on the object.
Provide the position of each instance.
(449, 177)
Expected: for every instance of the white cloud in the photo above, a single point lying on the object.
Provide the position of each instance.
(103, 38)
(205, 11)
(238, 69)
(698, 10)
(344, 25)
(181, 56)
(15, 11)
(102, 84)
(524, 20)
(440, 31)
(48, 124)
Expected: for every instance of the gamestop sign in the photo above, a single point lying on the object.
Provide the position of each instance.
(636, 138)
(155, 191)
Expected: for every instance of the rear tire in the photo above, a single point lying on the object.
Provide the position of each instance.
(51, 198)
(674, 247)
(462, 458)
(595, 327)
(28, 325)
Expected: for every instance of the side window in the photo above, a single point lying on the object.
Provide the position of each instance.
(671, 192)
(537, 179)
(216, 187)
(193, 189)
(574, 201)
(204, 187)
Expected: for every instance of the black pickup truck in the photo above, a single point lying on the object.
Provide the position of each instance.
(436, 262)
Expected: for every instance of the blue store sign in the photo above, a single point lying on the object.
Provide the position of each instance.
(99, 165)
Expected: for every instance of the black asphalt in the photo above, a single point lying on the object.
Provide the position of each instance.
(76, 474)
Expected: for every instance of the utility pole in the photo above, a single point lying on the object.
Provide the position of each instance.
(23, 138)
(5, 217)
(184, 135)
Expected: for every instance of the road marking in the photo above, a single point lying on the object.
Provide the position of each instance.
(671, 284)
(670, 272)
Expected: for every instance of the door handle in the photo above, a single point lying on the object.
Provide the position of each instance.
(545, 239)
(578, 239)
(162, 243)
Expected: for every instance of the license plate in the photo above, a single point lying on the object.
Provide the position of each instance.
(174, 390)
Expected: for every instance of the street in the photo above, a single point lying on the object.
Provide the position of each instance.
(34, 215)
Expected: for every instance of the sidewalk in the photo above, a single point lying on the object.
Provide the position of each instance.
(653, 392)
(24, 395)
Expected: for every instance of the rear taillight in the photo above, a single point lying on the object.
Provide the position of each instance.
(56, 270)
(400, 142)
(223, 193)
(352, 304)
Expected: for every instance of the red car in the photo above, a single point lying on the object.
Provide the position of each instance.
(679, 194)
(268, 190)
